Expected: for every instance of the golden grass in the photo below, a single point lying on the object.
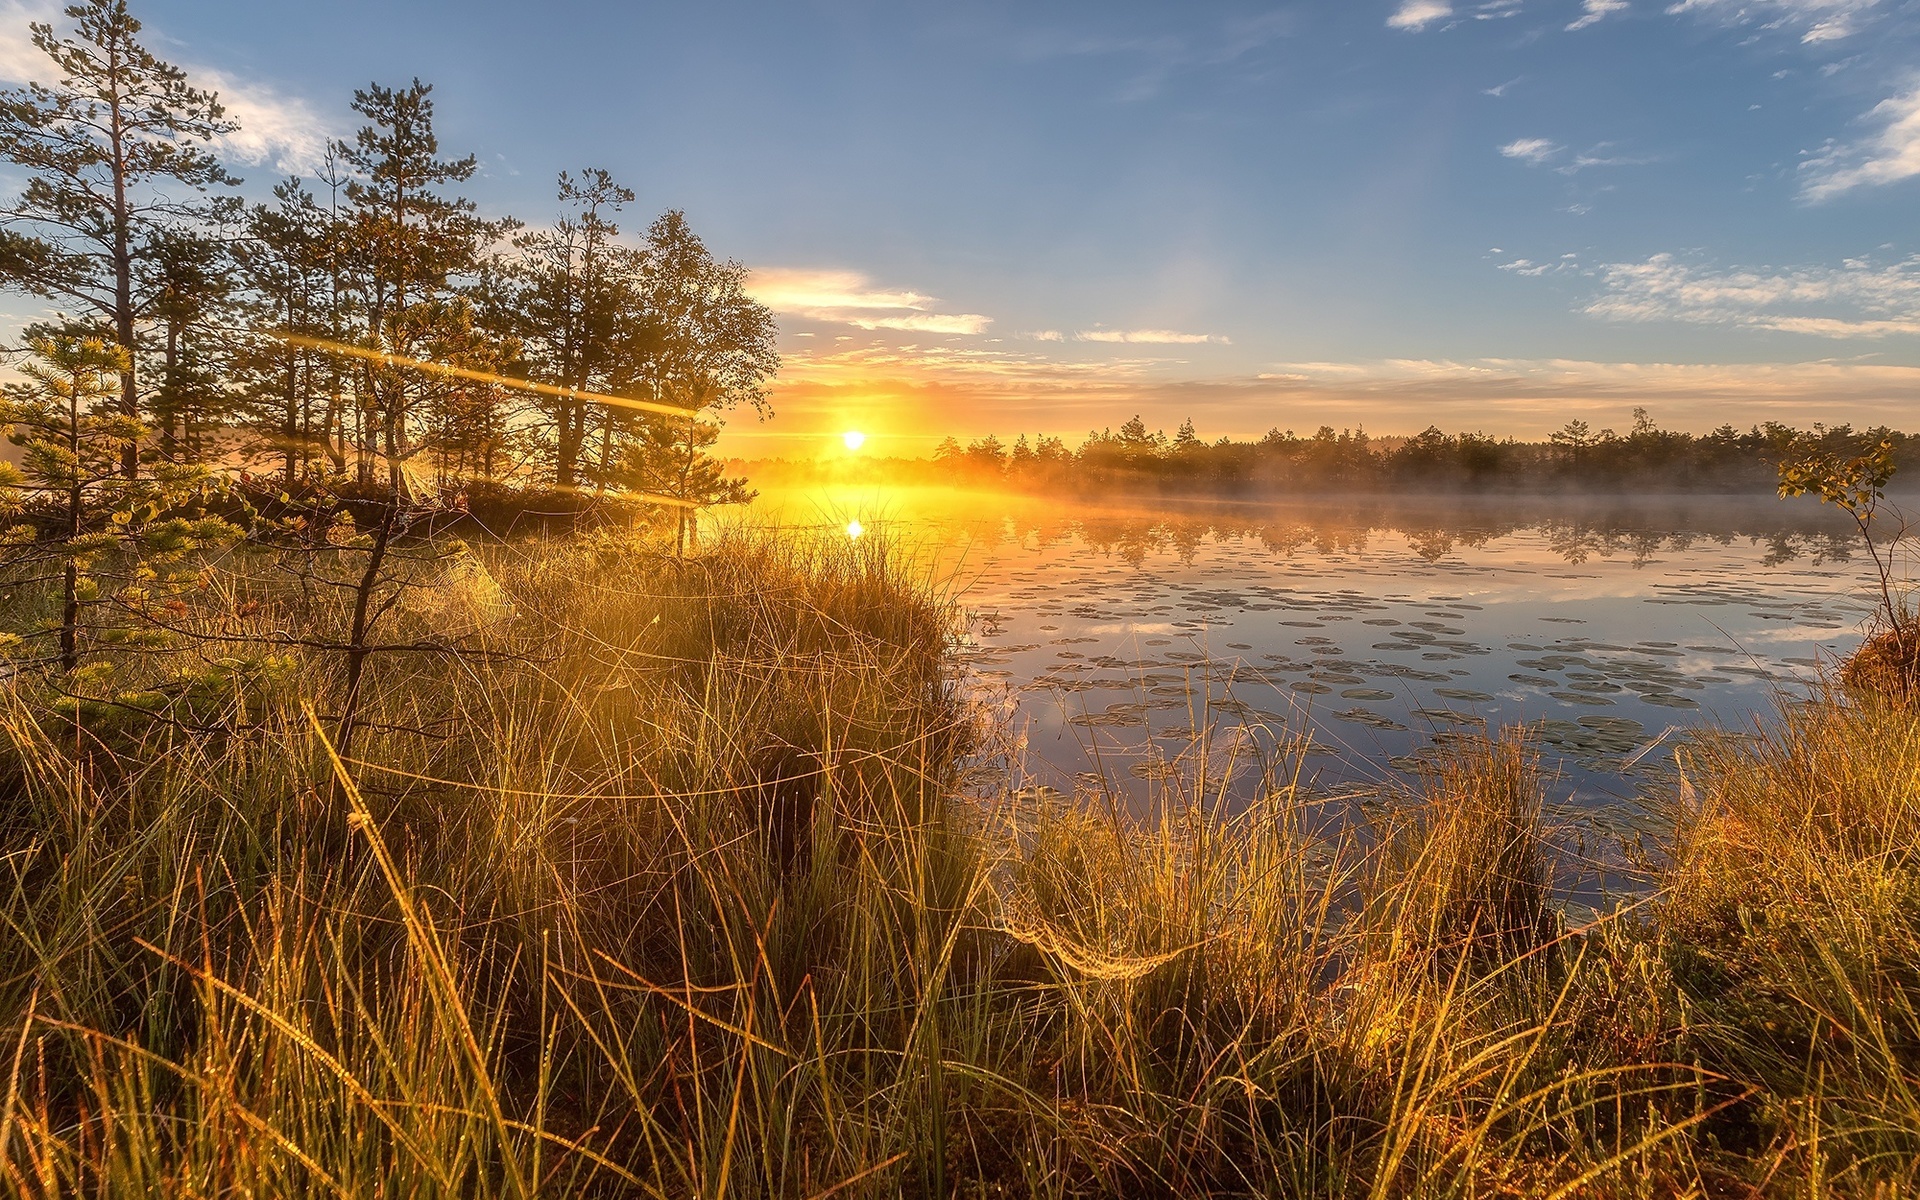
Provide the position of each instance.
(687, 892)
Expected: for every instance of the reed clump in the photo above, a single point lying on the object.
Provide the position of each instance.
(1795, 926)
(670, 876)
(1886, 667)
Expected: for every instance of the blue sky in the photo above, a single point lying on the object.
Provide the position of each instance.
(1046, 216)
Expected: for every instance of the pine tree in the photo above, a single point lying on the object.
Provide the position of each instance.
(714, 342)
(191, 283)
(75, 509)
(413, 247)
(573, 297)
(290, 387)
(711, 349)
(1020, 459)
(670, 463)
(470, 424)
(114, 154)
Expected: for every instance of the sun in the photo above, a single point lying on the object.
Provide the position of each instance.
(854, 439)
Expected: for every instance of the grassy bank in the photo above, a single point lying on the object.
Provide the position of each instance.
(663, 877)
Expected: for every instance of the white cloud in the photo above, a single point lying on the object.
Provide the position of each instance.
(275, 129)
(1597, 11)
(1830, 30)
(1826, 20)
(966, 323)
(849, 298)
(1527, 267)
(21, 60)
(1540, 151)
(1045, 335)
(1156, 337)
(1597, 157)
(1889, 156)
(1418, 14)
(1533, 150)
(1858, 299)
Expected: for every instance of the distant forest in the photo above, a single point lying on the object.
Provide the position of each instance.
(1577, 457)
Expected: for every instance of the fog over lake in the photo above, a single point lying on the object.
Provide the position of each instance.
(1615, 625)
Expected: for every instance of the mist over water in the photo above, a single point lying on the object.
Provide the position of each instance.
(1118, 637)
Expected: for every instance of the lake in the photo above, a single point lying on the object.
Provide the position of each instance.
(1116, 637)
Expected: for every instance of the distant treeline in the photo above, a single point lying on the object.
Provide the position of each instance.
(1136, 459)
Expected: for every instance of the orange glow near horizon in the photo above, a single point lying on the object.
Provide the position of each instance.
(917, 396)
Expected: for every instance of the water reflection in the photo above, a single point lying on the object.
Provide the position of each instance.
(1123, 640)
(1577, 529)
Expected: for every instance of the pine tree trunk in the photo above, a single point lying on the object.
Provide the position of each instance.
(290, 427)
(70, 591)
(123, 267)
(357, 647)
(173, 418)
(566, 451)
(390, 444)
(334, 435)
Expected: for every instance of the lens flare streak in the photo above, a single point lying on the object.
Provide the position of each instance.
(507, 381)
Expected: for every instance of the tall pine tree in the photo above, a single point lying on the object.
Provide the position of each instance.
(712, 349)
(414, 248)
(115, 153)
(291, 389)
(573, 297)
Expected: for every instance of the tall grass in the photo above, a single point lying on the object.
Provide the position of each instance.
(684, 888)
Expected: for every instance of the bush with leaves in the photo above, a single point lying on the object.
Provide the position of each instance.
(1854, 479)
(1856, 484)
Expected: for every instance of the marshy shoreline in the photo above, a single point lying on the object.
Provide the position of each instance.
(662, 875)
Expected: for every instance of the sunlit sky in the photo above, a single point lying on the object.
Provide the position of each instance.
(1044, 217)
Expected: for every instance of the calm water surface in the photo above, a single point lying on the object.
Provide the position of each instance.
(1115, 635)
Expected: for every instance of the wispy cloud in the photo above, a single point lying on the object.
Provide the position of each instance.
(850, 298)
(1858, 299)
(20, 60)
(1216, 49)
(1891, 155)
(276, 130)
(1533, 150)
(1418, 14)
(1597, 11)
(1527, 267)
(1152, 337)
(1600, 156)
(1541, 151)
(1830, 30)
(979, 370)
(1819, 20)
